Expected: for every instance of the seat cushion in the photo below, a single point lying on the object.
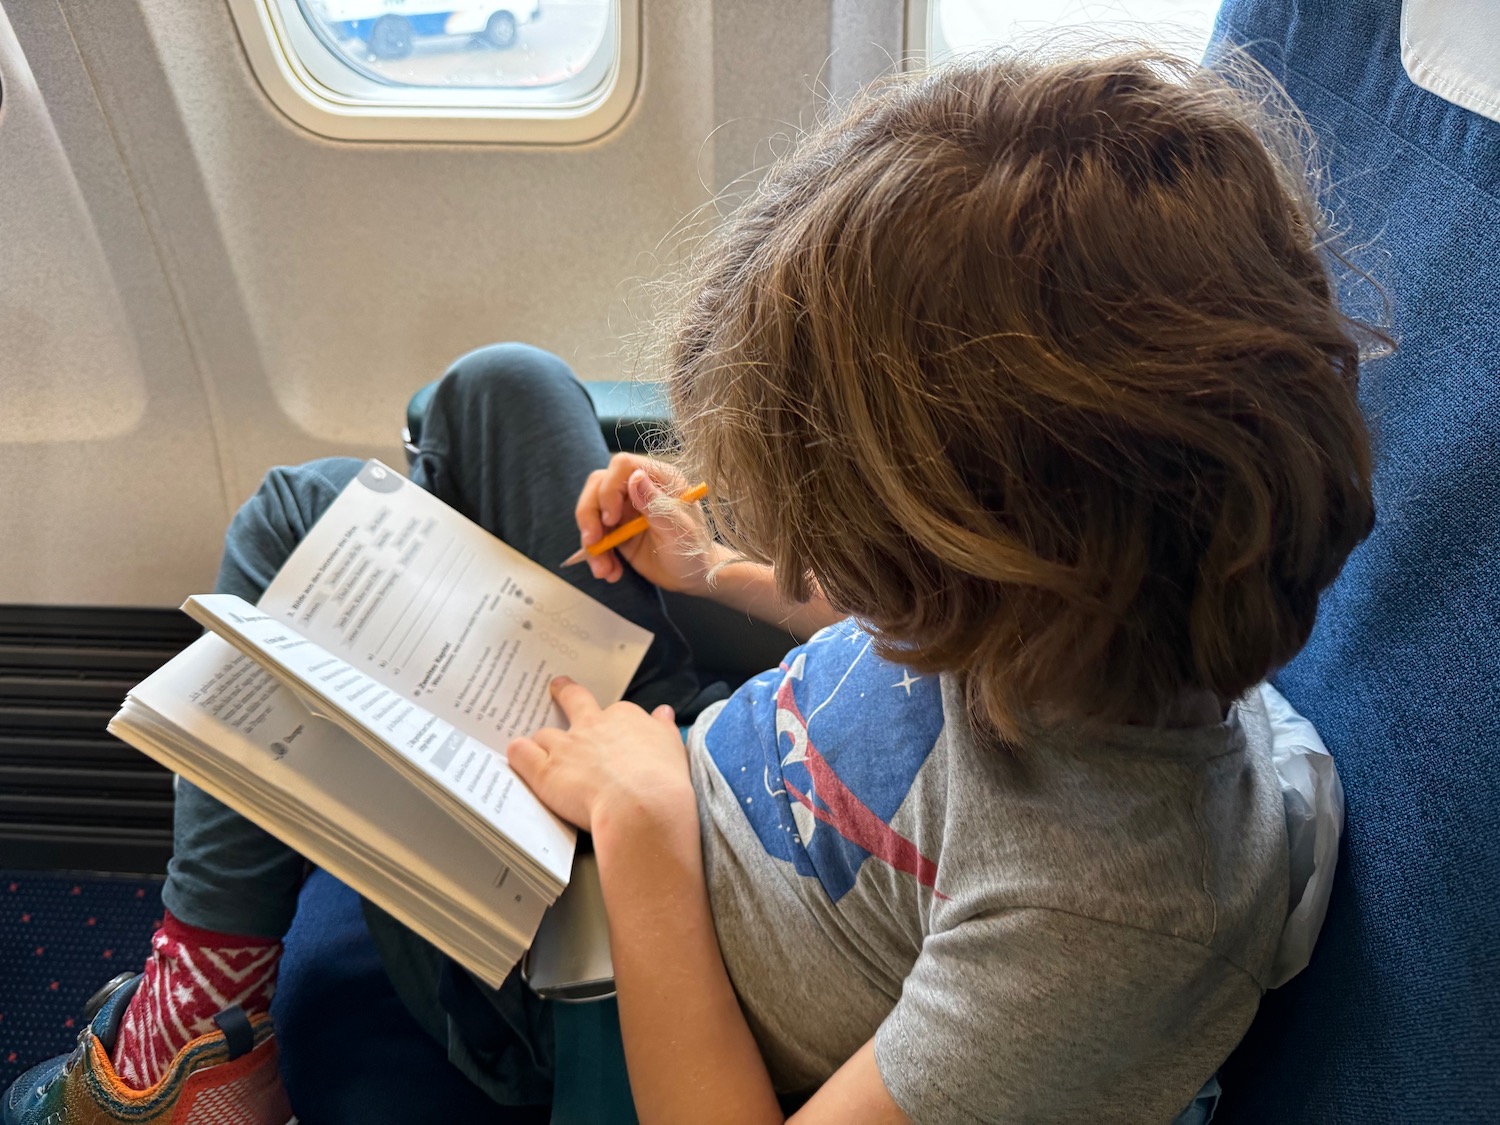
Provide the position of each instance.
(350, 1052)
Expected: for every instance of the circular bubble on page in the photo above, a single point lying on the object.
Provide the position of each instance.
(379, 478)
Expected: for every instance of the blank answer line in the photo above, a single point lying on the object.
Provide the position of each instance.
(437, 610)
(421, 597)
(413, 601)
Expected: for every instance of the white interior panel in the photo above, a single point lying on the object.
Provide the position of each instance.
(107, 450)
(283, 294)
(74, 374)
(357, 271)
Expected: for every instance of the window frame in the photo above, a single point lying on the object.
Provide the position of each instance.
(462, 115)
(918, 30)
(915, 28)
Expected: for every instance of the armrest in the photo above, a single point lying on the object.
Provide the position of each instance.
(628, 412)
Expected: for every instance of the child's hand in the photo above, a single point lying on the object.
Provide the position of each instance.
(614, 764)
(676, 553)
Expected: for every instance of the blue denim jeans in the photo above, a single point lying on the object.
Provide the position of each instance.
(508, 440)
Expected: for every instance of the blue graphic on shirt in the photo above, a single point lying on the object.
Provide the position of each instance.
(821, 754)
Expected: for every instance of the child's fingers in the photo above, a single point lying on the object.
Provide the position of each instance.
(602, 504)
(616, 493)
(642, 491)
(576, 701)
(672, 520)
(614, 499)
(527, 759)
(586, 510)
(602, 500)
(605, 567)
(586, 516)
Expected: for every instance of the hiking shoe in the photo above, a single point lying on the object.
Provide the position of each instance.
(227, 1077)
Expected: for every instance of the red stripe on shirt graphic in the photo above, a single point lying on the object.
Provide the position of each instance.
(837, 806)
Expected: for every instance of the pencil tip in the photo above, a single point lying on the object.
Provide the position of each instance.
(575, 558)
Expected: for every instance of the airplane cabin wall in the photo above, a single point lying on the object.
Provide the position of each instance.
(196, 289)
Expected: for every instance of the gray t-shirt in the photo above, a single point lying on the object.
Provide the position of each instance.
(1075, 929)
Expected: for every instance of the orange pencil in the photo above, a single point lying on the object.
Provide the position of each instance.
(628, 530)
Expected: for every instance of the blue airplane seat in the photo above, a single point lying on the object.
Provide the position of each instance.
(351, 1052)
(1398, 1017)
(344, 1032)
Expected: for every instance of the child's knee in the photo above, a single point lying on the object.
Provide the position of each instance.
(510, 376)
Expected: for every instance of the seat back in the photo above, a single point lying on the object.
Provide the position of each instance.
(1398, 1017)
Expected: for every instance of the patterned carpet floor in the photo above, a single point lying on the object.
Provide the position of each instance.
(61, 937)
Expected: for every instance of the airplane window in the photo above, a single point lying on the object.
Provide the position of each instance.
(957, 26)
(525, 70)
(513, 44)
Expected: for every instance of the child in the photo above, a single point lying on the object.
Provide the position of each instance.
(1021, 388)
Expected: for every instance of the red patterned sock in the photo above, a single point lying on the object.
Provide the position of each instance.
(191, 975)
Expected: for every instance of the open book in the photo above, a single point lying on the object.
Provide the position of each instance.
(359, 712)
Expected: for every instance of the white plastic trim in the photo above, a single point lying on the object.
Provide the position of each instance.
(918, 21)
(439, 114)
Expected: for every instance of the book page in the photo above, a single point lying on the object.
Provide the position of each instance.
(431, 605)
(218, 697)
(474, 774)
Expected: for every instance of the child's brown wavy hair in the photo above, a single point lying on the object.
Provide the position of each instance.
(1036, 369)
